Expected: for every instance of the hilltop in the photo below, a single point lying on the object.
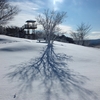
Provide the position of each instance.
(84, 61)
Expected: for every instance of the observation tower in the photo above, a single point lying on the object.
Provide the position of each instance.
(30, 27)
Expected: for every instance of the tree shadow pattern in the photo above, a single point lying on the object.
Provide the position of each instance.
(52, 69)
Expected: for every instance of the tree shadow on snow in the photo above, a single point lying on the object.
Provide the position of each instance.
(56, 78)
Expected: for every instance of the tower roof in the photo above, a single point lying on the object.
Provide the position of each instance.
(32, 21)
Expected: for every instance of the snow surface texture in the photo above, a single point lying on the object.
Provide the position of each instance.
(80, 79)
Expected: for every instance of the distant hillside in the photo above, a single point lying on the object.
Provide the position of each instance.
(94, 43)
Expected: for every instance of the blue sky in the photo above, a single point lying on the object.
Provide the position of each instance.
(78, 11)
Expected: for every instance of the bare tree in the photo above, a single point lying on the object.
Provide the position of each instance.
(50, 21)
(81, 33)
(75, 36)
(7, 11)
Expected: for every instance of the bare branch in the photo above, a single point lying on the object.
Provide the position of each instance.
(7, 11)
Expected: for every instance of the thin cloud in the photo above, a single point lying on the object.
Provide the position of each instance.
(56, 4)
(55, 1)
(96, 32)
(26, 6)
(77, 2)
(20, 19)
(65, 28)
(94, 35)
(29, 10)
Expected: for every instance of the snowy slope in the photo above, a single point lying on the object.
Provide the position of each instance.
(84, 60)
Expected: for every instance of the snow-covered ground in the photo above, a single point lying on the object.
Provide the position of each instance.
(84, 61)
